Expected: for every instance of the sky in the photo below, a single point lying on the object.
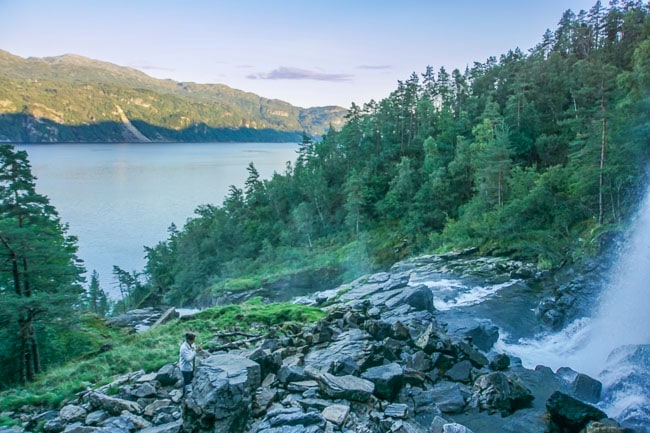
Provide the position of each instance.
(306, 52)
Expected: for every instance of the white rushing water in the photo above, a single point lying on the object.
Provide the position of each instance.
(609, 344)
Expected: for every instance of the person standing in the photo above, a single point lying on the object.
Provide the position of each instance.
(187, 353)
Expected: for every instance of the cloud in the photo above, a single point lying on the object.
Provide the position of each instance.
(375, 67)
(153, 68)
(288, 73)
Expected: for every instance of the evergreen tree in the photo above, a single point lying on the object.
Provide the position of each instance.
(40, 274)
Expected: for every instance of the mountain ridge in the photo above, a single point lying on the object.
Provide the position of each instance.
(48, 99)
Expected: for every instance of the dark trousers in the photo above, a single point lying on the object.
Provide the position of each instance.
(187, 379)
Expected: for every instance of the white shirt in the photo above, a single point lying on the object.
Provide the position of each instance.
(186, 357)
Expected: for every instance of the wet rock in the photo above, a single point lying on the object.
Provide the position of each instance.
(498, 393)
(569, 414)
(587, 388)
(500, 362)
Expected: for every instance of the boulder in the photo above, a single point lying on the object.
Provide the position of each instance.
(112, 405)
(448, 397)
(71, 413)
(344, 387)
(587, 388)
(169, 375)
(222, 395)
(387, 379)
(569, 414)
(460, 372)
(498, 393)
(500, 362)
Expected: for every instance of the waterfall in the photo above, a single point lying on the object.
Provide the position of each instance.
(613, 345)
(622, 314)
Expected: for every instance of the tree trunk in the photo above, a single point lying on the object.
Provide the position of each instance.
(30, 359)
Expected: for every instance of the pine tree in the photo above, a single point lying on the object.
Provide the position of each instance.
(40, 274)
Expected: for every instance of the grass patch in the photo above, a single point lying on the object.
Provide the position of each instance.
(147, 351)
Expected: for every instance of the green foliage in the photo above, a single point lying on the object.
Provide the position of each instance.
(148, 351)
(525, 155)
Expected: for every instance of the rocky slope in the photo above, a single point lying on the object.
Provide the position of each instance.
(381, 361)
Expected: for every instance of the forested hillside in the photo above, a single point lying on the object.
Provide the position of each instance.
(532, 154)
(74, 99)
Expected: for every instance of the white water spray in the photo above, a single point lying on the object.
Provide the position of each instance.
(622, 314)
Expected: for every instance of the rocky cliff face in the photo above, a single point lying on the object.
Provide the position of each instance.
(381, 361)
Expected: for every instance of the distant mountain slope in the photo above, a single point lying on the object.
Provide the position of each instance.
(72, 98)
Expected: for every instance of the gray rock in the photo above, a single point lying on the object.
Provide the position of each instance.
(168, 375)
(302, 385)
(421, 403)
(587, 388)
(136, 420)
(437, 424)
(151, 409)
(221, 399)
(117, 424)
(448, 397)
(292, 420)
(345, 387)
(96, 417)
(337, 414)
(570, 414)
(291, 373)
(71, 413)
(387, 379)
(353, 344)
(172, 427)
(397, 410)
(500, 362)
(54, 425)
(496, 392)
(419, 298)
(112, 405)
(455, 428)
(419, 361)
(78, 427)
(431, 340)
(269, 362)
(460, 372)
(143, 390)
(263, 399)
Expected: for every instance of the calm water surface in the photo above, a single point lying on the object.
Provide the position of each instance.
(118, 198)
